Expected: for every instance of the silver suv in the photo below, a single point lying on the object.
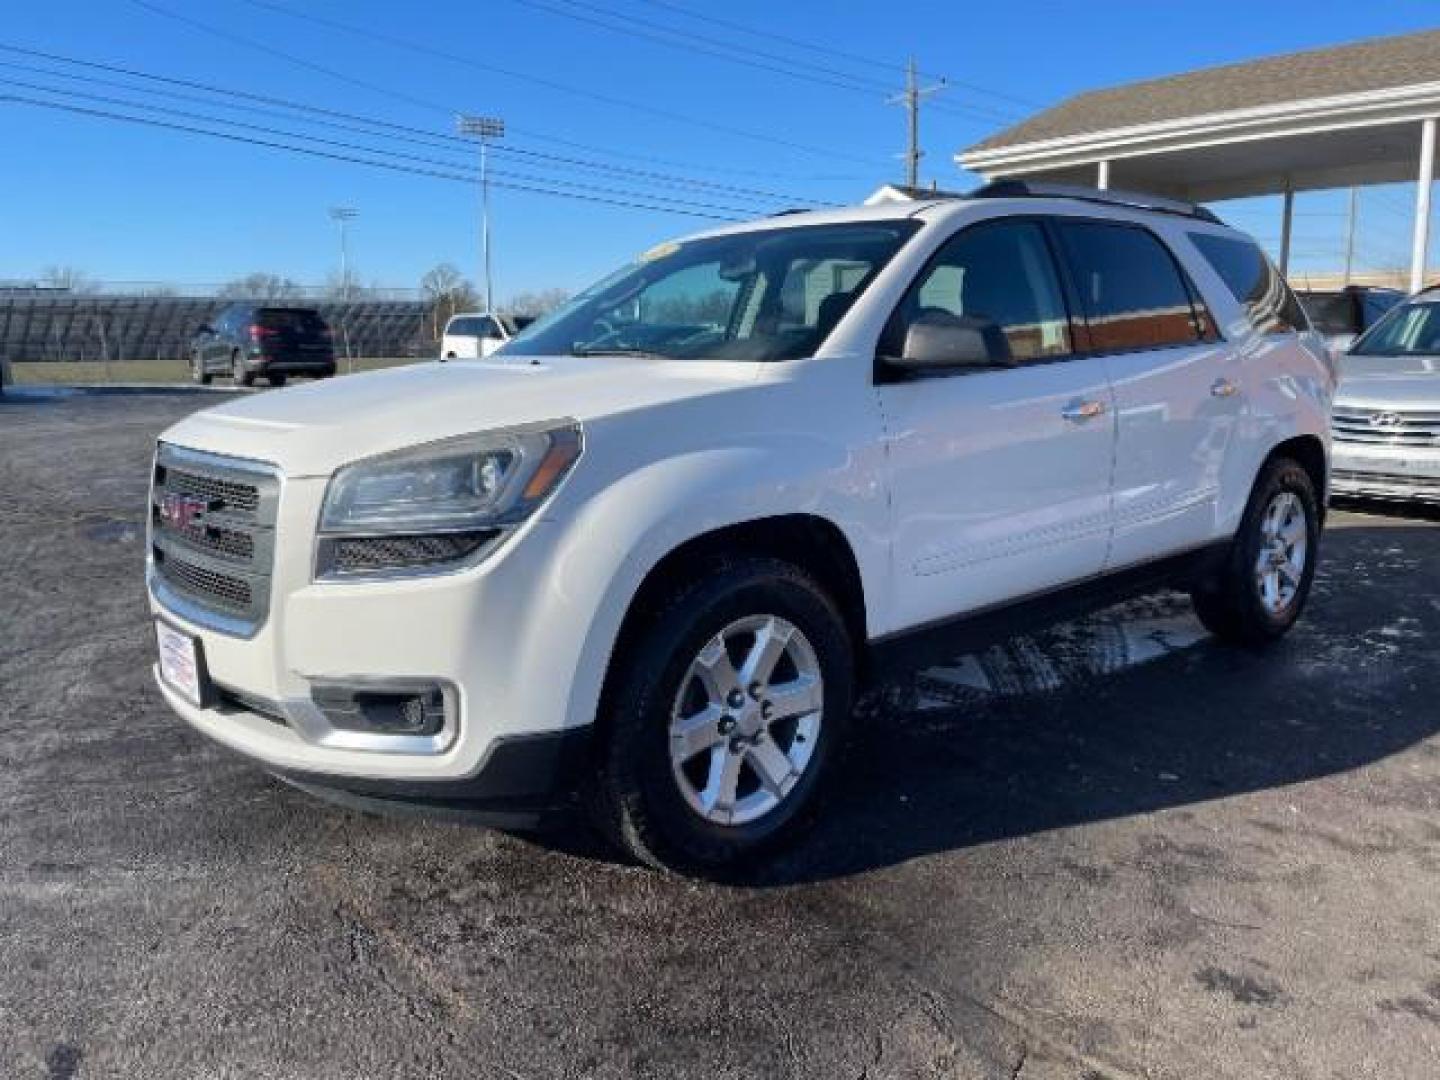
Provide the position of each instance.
(1386, 417)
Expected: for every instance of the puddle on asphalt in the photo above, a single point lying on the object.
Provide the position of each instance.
(114, 532)
(1066, 654)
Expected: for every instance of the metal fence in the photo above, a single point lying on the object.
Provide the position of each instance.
(115, 328)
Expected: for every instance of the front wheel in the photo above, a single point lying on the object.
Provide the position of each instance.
(1261, 589)
(727, 719)
(276, 380)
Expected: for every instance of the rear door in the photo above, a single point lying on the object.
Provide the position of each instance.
(1177, 392)
(1000, 476)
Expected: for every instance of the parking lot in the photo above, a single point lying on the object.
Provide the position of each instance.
(1110, 850)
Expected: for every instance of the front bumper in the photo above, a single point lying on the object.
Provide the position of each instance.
(1369, 471)
(503, 637)
(525, 780)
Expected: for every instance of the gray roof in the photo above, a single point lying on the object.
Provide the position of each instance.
(1346, 69)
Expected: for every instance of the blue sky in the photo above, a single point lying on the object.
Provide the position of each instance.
(122, 202)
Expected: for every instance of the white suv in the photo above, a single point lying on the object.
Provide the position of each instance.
(652, 552)
(473, 334)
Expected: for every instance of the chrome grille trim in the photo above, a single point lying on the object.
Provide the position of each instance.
(1409, 427)
(215, 571)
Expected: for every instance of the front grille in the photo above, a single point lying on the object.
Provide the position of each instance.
(1386, 427)
(212, 537)
(225, 494)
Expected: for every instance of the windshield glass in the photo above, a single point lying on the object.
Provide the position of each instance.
(1408, 330)
(771, 294)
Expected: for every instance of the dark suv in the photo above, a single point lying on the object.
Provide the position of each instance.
(1342, 315)
(250, 340)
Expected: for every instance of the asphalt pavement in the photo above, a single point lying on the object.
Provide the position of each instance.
(1113, 849)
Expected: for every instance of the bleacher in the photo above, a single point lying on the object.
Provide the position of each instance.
(44, 325)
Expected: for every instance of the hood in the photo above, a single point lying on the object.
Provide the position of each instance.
(1389, 381)
(314, 428)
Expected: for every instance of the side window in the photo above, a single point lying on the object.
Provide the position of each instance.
(1130, 287)
(999, 271)
(1268, 301)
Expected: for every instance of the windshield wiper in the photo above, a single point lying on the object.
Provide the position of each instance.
(645, 354)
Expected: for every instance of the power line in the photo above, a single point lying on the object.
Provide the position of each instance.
(350, 159)
(801, 43)
(367, 125)
(471, 62)
(617, 23)
(184, 114)
(266, 99)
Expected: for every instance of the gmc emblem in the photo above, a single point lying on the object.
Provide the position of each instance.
(181, 511)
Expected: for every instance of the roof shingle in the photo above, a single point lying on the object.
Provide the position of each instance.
(1378, 64)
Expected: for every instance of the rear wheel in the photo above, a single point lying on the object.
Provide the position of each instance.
(1262, 588)
(198, 374)
(727, 720)
(276, 380)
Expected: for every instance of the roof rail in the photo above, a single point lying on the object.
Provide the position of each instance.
(1026, 189)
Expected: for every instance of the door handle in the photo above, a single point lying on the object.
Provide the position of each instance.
(1223, 388)
(1077, 412)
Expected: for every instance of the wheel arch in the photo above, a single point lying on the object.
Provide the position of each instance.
(1308, 451)
(812, 543)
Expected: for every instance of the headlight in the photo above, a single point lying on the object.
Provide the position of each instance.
(437, 505)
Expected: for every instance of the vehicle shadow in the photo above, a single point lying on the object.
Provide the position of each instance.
(1355, 682)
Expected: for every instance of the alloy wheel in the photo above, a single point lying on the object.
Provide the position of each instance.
(1284, 549)
(746, 720)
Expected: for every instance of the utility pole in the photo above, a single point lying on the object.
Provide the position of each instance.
(1350, 233)
(483, 128)
(342, 216)
(911, 97)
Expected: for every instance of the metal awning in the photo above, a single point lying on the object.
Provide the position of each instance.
(1349, 116)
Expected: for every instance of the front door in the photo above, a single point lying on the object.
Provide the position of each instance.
(1000, 476)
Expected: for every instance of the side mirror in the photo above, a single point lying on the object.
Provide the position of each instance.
(967, 341)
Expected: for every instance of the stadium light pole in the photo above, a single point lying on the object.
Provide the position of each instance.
(342, 216)
(483, 128)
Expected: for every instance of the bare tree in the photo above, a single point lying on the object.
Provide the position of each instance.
(537, 303)
(69, 278)
(446, 291)
(261, 286)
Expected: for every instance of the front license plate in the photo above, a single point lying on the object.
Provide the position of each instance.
(180, 663)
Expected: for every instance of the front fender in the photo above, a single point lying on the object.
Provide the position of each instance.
(618, 536)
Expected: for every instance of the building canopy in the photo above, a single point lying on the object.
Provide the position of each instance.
(1352, 115)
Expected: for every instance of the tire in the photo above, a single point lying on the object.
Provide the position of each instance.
(198, 374)
(650, 806)
(1245, 604)
(276, 380)
(238, 375)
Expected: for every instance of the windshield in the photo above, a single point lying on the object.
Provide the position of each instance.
(1408, 330)
(771, 294)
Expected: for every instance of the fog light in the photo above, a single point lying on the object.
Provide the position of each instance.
(392, 709)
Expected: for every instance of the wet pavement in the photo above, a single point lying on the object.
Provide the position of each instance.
(1111, 849)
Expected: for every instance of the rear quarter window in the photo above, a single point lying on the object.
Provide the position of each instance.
(1251, 278)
